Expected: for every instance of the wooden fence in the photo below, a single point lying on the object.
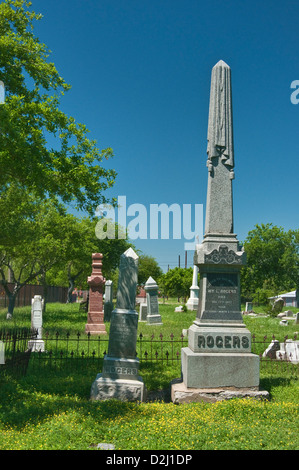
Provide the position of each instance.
(27, 292)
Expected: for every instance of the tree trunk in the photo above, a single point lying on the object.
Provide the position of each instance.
(11, 304)
(70, 290)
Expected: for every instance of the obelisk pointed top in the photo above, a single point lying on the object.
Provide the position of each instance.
(130, 253)
(219, 209)
(221, 63)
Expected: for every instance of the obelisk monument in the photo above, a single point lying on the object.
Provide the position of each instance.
(218, 357)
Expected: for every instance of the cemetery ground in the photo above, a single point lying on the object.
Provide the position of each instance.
(49, 408)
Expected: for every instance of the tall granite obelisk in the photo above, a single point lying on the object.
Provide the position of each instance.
(218, 357)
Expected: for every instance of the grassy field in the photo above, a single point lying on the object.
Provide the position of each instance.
(50, 408)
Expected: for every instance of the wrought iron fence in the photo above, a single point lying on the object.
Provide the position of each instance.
(62, 350)
(67, 349)
(16, 350)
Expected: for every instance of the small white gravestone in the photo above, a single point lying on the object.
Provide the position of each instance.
(192, 302)
(37, 305)
(289, 351)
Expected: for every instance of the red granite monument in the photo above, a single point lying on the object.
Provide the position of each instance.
(95, 319)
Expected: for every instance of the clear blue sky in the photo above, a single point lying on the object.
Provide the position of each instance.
(140, 73)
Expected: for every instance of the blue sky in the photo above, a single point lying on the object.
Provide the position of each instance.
(140, 73)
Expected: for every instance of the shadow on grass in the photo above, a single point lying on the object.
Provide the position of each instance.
(46, 392)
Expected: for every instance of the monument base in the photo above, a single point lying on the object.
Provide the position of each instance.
(95, 329)
(36, 345)
(192, 304)
(154, 319)
(181, 394)
(120, 389)
(209, 370)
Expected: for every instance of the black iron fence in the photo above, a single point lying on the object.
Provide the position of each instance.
(15, 350)
(71, 349)
(61, 350)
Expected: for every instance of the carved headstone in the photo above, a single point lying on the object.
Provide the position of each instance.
(153, 316)
(120, 378)
(37, 305)
(219, 344)
(142, 312)
(95, 319)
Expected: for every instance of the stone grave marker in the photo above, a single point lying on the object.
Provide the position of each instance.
(192, 303)
(142, 312)
(120, 378)
(95, 318)
(153, 316)
(219, 355)
(37, 305)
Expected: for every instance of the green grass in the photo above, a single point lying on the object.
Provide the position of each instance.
(51, 409)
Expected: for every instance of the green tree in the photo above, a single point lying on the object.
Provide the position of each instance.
(81, 242)
(148, 266)
(36, 242)
(176, 282)
(71, 167)
(272, 260)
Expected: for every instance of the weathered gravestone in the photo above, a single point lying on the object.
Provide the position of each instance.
(108, 305)
(277, 305)
(192, 303)
(120, 378)
(218, 356)
(37, 305)
(142, 312)
(95, 318)
(153, 316)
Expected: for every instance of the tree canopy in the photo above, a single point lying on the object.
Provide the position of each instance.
(272, 260)
(71, 167)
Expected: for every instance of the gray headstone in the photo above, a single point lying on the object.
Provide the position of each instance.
(277, 305)
(143, 312)
(153, 315)
(120, 378)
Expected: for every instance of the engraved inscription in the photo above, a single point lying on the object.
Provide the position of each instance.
(235, 342)
(120, 370)
(222, 292)
(123, 331)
